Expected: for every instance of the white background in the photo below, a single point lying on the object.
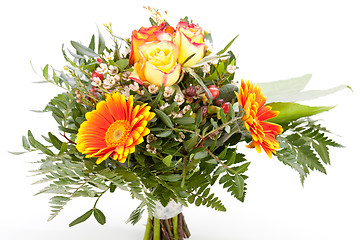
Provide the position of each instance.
(278, 40)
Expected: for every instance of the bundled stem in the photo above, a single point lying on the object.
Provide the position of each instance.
(167, 229)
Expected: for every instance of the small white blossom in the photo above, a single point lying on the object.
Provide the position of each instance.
(134, 87)
(186, 109)
(176, 115)
(165, 105)
(113, 70)
(142, 92)
(179, 98)
(109, 56)
(126, 92)
(199, 91)
(150, 148)
(117, 78)
(96, 82)
(153, 89)
(125, 76)
(109, 82)
(215, 61)
(168, 92)
(231, 69)
(181, 137)
(150, 138)
(206, 68)
(103, 69)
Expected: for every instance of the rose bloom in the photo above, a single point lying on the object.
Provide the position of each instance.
(190, 40)
(150, 34)
(158, 64)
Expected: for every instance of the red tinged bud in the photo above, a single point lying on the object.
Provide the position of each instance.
(214, 91)
(96, 74)
(219, 102)
(225, 107)
(204, 111)
(99, 60)
(190, 91)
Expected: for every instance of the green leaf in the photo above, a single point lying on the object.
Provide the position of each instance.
(55, 141)
(99, 216)
(83, 50)
(101, 46)
(239, 182)
(189, 144)
(200, 81)
(38, 145)
(25, 143)
(226, 92)
(63, 148)
(167, 160)
(184, 120)
(282, 89)
(165, 118)
(228, 45)
(92, 43)
(165, 133)
(292, 111)
(291, 90)
(200, 155)
(122, 63)
(171, 177)
(46, 71)
(82, 218)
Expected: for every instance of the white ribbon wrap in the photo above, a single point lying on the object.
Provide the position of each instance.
(170, 211)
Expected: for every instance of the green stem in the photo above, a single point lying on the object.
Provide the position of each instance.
(157, 232)
(175, 225)
(148, 229)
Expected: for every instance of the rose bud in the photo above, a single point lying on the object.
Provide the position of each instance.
(204, 111)
(225, 107)
(214, 91)
(219, 102)
(190, 91)
(96, 74)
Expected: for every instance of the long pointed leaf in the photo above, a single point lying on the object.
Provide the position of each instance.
(291, 111)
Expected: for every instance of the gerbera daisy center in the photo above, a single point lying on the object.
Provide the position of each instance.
(117, 133)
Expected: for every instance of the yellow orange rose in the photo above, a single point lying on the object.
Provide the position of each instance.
(158, 64)
(150, 34)
(190, 40)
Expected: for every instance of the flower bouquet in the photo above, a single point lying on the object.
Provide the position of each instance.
(161, 115)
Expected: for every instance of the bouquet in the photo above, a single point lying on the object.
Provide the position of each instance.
(161, 115)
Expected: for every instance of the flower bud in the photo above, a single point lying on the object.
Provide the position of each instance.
(96, 74)
(225, 107)
(190, 91)
(204, 111)
(219, 102)
(214, 91)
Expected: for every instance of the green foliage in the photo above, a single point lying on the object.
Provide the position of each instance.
(305, 147)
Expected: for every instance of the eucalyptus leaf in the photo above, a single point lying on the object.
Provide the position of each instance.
(292, 111)
(226, 92)
(83, 50)
(291, 90)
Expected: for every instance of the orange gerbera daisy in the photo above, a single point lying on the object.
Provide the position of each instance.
(263, 133)
(113, 128)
